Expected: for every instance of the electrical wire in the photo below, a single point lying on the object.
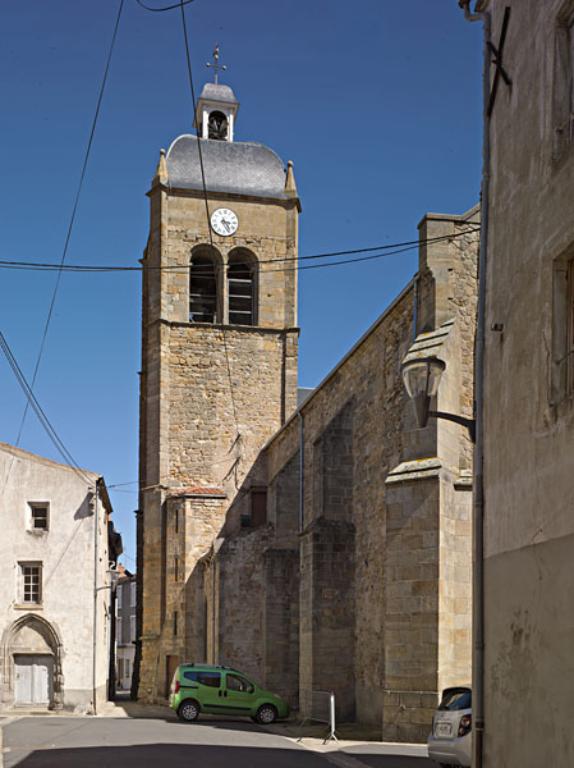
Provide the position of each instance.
(164, 8)
(205, 197)
(101, 268)
(71, 223)
(39, 411)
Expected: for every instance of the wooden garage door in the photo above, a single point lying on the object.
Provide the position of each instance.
(33, 679)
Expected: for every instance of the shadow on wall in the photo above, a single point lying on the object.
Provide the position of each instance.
(86, 508)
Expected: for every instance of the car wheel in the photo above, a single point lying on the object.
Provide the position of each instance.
(266, 714)
(188, 711)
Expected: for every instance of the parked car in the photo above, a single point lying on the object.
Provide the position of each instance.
(450, 741)
(212, 689)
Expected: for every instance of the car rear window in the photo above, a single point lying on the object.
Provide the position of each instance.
(211, 679)
(454, 699)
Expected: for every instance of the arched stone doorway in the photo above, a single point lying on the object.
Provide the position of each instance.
(32, 664)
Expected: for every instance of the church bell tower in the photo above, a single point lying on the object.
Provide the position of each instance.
(219, 362)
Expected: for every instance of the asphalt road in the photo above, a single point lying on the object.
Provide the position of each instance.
(59, 742)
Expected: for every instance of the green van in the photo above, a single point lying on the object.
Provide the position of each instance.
(212, 689)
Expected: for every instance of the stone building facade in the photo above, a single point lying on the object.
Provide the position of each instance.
(529, 394)
(324, 547)
(125, 628)
(55, 623)
(213, 391)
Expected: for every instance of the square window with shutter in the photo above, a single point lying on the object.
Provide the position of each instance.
(39, 519)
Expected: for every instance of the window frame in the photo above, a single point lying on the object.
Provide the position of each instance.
(22, 565)
(31, 526)
(242, 257)
(561, 386)
(205, 253)
(563, 82)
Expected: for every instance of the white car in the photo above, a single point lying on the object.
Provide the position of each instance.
(450, 742)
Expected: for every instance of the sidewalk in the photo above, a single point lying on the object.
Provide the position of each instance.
(114, 709)
(356, 746)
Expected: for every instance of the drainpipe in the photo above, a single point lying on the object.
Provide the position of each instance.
(301, 471)
(478, 518)
(95, 622)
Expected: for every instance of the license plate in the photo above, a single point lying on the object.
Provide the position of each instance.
(443, 729)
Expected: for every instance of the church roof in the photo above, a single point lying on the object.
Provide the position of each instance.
(242, 168)
(218, 92)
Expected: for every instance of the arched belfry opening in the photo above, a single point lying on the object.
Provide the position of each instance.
(32, 664)
(217, 126)
(204, 291)
(242, 287)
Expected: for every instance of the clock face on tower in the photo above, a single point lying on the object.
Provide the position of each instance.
(224, 222)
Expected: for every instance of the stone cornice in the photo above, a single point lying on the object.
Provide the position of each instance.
(219, 327)
(284, 202)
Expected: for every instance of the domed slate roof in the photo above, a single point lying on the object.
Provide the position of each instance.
(218, 92)
(242, 168)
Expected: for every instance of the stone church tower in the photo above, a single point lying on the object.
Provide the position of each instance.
(219, 365)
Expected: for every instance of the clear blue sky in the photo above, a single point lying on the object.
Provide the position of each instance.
(376, 102)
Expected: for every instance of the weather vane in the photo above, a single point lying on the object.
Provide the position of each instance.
(217, 67)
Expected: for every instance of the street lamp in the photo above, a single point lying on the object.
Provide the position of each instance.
(421, 377)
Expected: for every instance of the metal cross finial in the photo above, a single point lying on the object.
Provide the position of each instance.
(217, 67)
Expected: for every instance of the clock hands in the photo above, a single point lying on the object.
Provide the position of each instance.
(224, 222)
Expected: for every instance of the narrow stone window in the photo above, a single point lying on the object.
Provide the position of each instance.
(175, 618)
(562, 369)
(241, 287)
(570, 328)
(203, 286)
(563, 85)
(30, 583)
(258, 507)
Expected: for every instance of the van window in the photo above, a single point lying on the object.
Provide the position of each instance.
(454, 699)
(238, 683)
(211, 679)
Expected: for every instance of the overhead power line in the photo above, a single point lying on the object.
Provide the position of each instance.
(182, 3)
(383, 250)
(73, 215)
(39, 411)
(164, 8)
(60, 266)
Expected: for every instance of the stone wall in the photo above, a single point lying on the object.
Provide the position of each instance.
(385, 546)
(211, 396)
(529, 397)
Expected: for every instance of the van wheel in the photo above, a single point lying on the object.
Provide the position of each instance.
(188, 711)
(266, 714)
